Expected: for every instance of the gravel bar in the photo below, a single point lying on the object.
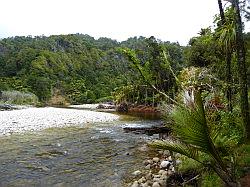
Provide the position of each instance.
(35, 119)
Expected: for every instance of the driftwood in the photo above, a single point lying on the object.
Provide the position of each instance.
(149, 130)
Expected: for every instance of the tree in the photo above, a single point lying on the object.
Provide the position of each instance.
(227, 46)
(241, 61)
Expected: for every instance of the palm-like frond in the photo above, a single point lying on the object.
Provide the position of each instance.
(190, 126)
(192, 129)
(181, 148)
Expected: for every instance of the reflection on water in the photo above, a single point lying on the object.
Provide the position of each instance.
(94, 155)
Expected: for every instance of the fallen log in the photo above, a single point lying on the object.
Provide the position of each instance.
(148, 130)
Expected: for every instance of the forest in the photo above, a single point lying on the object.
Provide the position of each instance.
(84, 70)
(76, 66)
(202, 87)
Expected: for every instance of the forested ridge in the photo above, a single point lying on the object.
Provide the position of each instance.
(82, 69)
(76, 66)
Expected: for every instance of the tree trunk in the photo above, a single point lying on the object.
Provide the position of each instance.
(228, 58)
(241, 61)
(222, 15)
(225, 176)
(229, 81)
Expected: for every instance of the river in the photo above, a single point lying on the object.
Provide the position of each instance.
(93, 154)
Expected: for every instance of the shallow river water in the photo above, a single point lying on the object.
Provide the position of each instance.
(98, 154)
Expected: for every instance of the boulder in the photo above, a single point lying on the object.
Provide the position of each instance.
(165, 164)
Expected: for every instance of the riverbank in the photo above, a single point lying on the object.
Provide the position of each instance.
(157, 170)
(35, 119)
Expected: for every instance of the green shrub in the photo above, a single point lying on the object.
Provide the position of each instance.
(211, 179)
(17, 97)
(104, 99)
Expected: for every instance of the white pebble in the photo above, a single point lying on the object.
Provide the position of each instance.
(156, 159)
(136, 173)
(156, 184)
(135, 184)
(164, 164)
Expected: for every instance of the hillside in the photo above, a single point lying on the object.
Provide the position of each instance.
(76, 66)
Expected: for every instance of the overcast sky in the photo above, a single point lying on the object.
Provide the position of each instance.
(168, 20)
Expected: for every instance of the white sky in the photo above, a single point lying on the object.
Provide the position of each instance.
(168, 20)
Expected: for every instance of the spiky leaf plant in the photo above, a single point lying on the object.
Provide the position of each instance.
(194, 139)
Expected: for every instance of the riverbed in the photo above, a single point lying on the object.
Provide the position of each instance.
(88, 151)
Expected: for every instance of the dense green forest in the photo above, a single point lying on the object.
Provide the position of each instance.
(81, 69)
(76, 66)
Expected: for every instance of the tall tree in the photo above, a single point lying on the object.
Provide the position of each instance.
(228, 58)
(241, 61)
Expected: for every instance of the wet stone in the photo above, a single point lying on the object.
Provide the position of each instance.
(137, 173)
(156, 184)
(156, 159)
(148, 167)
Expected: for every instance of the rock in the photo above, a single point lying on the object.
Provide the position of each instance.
(163, 177)
(7, 107)
(173, 169)
(170, 167)
(156, 180)
(150, 161)
(161, 172)
(148, 166)
(142, 180)
(156, 159)
(165, 164)
(144, 185)
(135, 184)
(169, 172)
(165, 173)
(137, 173)
(145, 162)
(157, 176)
(149, 176)
(170, 158)
(166, 153)
(149, 183)
(162, 182)
(105, 106)
(160, 152)
(156, 184)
